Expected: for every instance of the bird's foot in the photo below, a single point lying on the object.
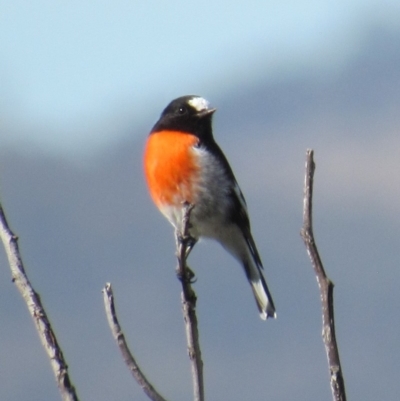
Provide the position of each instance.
(186, 275)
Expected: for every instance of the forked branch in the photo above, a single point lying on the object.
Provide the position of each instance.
(325, 286)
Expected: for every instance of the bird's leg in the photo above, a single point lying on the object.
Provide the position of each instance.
(183, 236)
(190, 243)
(186, 241)
(184, 245)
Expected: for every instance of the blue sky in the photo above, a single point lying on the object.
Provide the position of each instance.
(74, 75)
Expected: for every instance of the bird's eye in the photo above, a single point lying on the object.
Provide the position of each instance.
(182, 110)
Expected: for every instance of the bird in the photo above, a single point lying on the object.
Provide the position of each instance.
(183, 164)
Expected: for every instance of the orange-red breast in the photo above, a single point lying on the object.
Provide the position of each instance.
(183, 163)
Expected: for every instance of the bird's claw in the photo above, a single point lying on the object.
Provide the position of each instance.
(186, 275)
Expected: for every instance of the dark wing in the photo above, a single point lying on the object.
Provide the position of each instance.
(238, 213)
(241, 218)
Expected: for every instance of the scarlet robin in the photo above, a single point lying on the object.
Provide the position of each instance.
(184, 164)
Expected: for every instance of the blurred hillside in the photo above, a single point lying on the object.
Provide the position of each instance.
(84, 223)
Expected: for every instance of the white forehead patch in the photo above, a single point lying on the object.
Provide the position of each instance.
(199, 103)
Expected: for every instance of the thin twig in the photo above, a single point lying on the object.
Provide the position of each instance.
(185, 275)
(130, 361)
(35, 307)
(325, 286)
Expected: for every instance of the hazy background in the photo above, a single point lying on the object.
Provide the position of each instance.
(81, 86)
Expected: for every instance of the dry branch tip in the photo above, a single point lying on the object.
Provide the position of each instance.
(324, 283)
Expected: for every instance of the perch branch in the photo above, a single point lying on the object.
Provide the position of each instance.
(325, 286)
(184, 244)
(126, 353)
(35, 307)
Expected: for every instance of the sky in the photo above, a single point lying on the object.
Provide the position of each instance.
(76, 75)
(85, 81)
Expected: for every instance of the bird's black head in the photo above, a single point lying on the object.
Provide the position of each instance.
(187, 114)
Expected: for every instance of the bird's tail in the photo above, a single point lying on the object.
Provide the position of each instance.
(260, 289)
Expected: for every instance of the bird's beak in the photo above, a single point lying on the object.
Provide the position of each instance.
(206, 112)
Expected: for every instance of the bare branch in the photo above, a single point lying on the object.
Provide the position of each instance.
(185, 275)
(325, 286)
(32, 300)
(184, 244)
(130, 361)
